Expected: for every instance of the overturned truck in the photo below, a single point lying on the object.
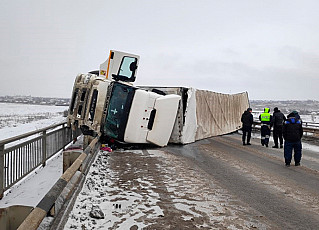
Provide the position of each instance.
(203, 113)
(106, 103)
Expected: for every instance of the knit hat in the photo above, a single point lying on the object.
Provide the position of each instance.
(293, 114)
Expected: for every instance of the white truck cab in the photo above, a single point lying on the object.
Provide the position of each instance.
(119, 66)
(137, 116)
(114, 108)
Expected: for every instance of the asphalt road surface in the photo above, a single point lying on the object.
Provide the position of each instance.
(287, 197)
(216, 183)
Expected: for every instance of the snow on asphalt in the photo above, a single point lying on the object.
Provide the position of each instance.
(154, 190)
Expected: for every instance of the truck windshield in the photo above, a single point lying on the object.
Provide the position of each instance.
(118, 110)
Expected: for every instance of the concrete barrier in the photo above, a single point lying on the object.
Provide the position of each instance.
(59, 189)
(11, 217)
(69, 157)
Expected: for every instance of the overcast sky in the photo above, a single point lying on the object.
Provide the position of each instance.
(268, 48)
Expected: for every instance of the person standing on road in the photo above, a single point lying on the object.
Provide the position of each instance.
(247, 120)
(277, 122)
(265, 119)
(292, 132)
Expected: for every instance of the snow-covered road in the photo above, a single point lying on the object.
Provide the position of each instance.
(153, 189)
(211, 184)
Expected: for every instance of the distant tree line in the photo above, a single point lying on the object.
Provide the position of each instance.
(35, 100)
(304, 107)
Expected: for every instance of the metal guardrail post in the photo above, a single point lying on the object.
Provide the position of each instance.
(44, 147)
(63, 136)
(74, 135)
(1, 171)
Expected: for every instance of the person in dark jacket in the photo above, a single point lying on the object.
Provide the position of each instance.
(247, 120)
(265, 119)
(278, 119)
(292, 132)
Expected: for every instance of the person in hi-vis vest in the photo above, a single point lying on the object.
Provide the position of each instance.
(265, 119)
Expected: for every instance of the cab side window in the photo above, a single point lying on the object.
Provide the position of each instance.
(128, 67)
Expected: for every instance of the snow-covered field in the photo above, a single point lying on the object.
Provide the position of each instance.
(16, 119)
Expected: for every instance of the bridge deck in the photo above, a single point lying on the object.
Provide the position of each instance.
(213, 183)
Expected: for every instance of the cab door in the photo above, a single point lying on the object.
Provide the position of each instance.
(162, 119)
(120, 66)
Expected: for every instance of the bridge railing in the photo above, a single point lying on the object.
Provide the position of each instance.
(20, 155)
(60, 192)
(311, 128)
